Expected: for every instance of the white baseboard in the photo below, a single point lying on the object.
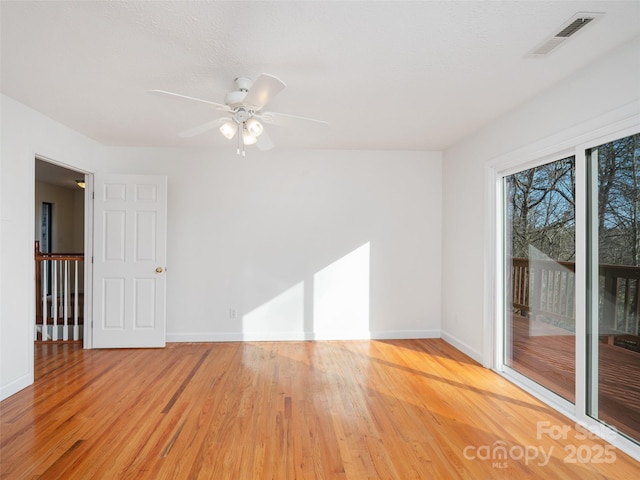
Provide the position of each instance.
(463, 347)
(299, 336)
(404, 334)
(15, 386)
(236, 337)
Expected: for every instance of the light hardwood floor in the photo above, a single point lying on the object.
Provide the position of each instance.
(406, 409)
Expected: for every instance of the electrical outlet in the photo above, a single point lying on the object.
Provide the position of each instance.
(233, 313)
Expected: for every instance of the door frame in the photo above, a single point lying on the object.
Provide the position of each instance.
(87, 339)
(88, 250)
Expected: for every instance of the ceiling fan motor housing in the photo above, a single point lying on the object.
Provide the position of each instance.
(244, 83)
(235, 99)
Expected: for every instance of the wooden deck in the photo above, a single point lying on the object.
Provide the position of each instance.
(550, 361)
(406, 409)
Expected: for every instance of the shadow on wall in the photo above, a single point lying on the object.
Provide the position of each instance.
(333, 304)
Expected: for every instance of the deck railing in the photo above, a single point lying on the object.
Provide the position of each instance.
(59, 295)
(620, 290)
(547, 288)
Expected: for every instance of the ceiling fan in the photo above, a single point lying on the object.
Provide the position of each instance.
(245, 115)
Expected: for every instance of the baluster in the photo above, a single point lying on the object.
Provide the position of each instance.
(637, 311)
(38, 271)
(552, 307)
(626, 304)
(609, 307)
(43, 292)
(546, 288)
(76, 334)
(517, 284)
(552, 291)
(562, 293)
(564, 305)
(38, 295)
(572, 298)
(54, 300)
(65, 295)
(557, 286)
(524, 291)
(556, 290)
(514, 283)
(535, 300)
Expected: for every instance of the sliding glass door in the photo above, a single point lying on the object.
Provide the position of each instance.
(539, 256)
(613, 245)
(570, 282)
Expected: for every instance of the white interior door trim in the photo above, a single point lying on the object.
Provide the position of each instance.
(87, 341)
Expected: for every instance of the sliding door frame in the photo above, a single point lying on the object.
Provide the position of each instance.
(575, 141)
(544, 394)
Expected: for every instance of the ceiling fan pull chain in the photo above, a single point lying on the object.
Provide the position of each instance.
(239, 140)
(241, 127)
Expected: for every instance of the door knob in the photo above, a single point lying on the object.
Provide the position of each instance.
(159, 270)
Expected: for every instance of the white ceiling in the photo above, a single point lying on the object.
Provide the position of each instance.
(385, 75)
(46, 172)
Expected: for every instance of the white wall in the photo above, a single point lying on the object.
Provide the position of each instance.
(610, 83)
(25, 134)
(78, 221)
(304, 244)
(68, 216)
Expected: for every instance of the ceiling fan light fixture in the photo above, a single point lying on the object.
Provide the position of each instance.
(245, 107)
(254, 127)
(228, 129)
(247, 138)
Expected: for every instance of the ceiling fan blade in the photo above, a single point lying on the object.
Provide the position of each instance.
(264, 142)
(205, 127)
(289, 120)
(193, 99)
(262, 91)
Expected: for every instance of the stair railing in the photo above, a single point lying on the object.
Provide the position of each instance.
(59, 295)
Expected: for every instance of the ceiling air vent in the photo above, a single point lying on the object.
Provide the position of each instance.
(574, 24)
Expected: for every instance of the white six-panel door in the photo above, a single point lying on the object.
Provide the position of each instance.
(129, 261)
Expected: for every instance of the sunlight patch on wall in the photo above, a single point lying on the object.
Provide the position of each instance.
(341, 297)
(282, 315)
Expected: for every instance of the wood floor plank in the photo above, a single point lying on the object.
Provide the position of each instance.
(401, 409)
